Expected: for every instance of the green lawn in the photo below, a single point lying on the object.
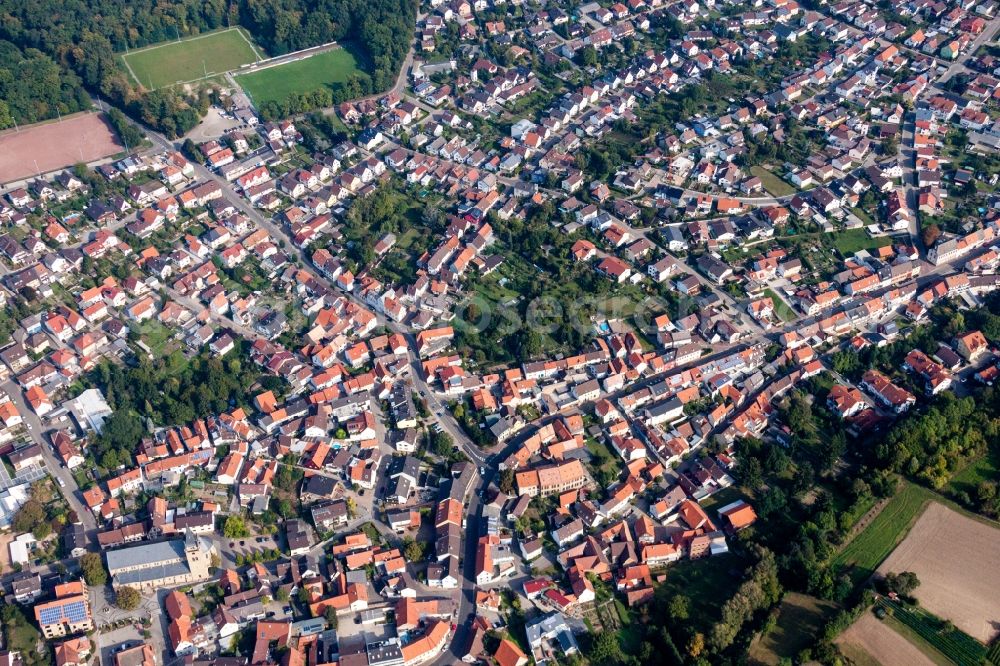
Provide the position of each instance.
(721, 498)
(780, 307)
(850, 241)
(706, 583)
(986, 468)
(776, 186)
(155, 335)
(863, 216)
(800, 619)
(275, 84)
(867, 550)
(190, 59)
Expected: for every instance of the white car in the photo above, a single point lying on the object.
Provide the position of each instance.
(62, 484)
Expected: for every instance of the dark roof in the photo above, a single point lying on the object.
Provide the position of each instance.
(318, 485)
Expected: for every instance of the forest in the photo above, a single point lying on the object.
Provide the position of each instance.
(82, 37)
(33, 87)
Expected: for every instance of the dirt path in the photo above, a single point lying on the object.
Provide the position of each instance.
(866, 520)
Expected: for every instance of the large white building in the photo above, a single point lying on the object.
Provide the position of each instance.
(150, 566)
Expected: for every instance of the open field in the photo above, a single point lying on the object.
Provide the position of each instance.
(865, 552)
(851, 240)
(800, 619)
(781, 309)
(772, 183)
(275, 84)
(51, 145)
(878, 641)
(190, 59)
(957, 560)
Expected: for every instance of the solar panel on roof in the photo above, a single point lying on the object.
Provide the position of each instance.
(50, 615)
(76, 612)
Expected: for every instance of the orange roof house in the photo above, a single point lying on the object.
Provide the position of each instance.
(739, 515)
(508, 654)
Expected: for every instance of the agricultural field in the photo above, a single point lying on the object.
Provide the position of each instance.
(871, 641)
(190, 59)
(938, 639)
(957, 560)
(800, 619)
(275, 84)
(867, 550)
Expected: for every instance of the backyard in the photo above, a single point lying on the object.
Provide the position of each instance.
(852, 240)
(781, 308)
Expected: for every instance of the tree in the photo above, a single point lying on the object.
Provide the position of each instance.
(588, 56)
(696, 645)
(507, 481)
(679, 608)
(903, 583)
(128, 598)
(284, 508)
(191, 151)
(6, 118)
(92, 566)
(606, 650)
(753, 474)
(235, 528)
(930, 235)
(31, 517)
(331, 617)
(442, 444)
(413, 550)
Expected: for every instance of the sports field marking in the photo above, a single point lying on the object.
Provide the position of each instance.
(190, 59)
(303, 75)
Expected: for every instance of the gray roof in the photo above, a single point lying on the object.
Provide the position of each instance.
(146, 555)
(157, 572)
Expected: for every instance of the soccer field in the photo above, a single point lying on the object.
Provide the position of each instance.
(275, 84)
(190, 59)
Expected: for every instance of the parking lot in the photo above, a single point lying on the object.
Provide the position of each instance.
(116, 641)
(229, 549)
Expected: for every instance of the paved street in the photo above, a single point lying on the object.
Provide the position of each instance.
(37, 430)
